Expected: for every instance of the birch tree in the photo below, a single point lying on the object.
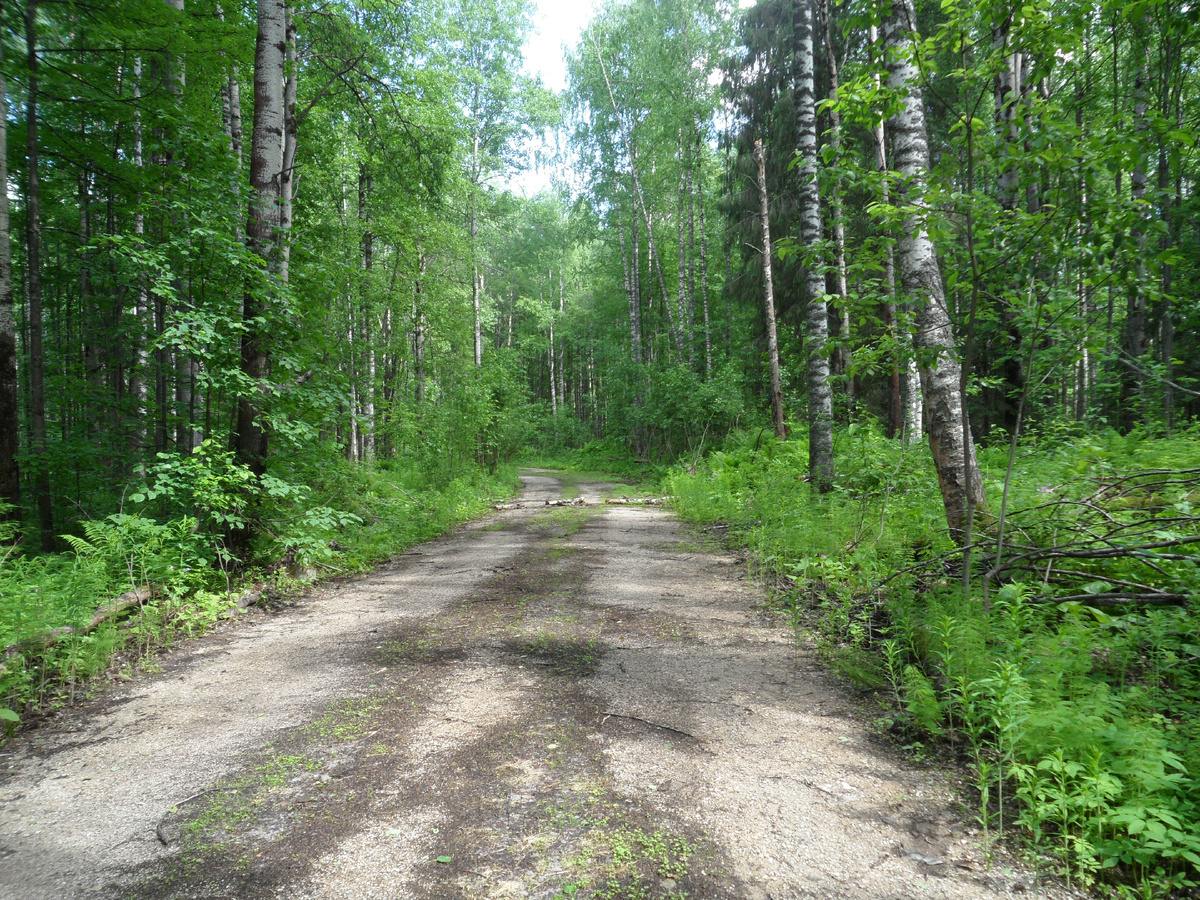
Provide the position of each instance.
(764, 218)
(262, 229)
(920, 273)
(820, 397)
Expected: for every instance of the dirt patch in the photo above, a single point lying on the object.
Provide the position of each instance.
(575, 702)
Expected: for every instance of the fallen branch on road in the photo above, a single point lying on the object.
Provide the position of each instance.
(677, 731)
(504, 507)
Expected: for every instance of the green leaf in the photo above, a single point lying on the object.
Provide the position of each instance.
(443, 859)
(7, 715)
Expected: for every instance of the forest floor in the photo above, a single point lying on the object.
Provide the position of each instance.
(551, 702)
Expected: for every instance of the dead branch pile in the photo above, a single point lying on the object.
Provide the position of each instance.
(1121, 539)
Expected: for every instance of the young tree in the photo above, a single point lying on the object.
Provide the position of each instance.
(764, 218)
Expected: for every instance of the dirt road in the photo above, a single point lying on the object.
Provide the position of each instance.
(549, 703)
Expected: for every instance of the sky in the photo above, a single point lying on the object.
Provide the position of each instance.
(555, 23)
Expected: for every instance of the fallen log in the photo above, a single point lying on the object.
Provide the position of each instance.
(504, 507)
(636, 501)
(110, 610)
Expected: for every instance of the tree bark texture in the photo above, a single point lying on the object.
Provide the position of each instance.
(266, 170)
(287, 168)
(764, 217)
(635, 330)
(904, 406)
(820, 397)
(958, 474)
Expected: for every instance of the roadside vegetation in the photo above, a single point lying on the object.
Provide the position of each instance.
(1076, 710)
(168, 551)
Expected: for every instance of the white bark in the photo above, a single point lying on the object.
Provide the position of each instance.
(764, 217)
(820, 397)
(958, 474)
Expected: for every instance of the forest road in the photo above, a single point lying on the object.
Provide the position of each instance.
(551, 702)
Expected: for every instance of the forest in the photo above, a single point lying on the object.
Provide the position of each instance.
(900, 296)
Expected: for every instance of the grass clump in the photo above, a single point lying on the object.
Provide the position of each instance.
(1078, 720)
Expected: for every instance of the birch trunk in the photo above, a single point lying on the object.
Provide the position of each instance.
(368, 317)
(138, 385)
(553, 380)
(704, 274)
(287, 168)
(635, 337)
(820, 397)
(418, 317)
(905, 405)
(475, 291)
(954, 457)
(562, 348)
(266, 171)
(682, 283)
(10, 403)
(845, 356)
(764, 217)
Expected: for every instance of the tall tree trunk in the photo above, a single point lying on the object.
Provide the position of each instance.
(418, 317)
(287, 170)
(703, 263)
(1005, 87)
(475, 287)
(368, 317)
(562, 348)
(33, 288)
(231, 107)
(266, 170)
(845, 354)
(553, 380)
(958, 474)
(676, 332)
(10, 401)
(904, 407)
(635, 336)
(691, 254)
(820, 397)
(764, 217)
(139, 384)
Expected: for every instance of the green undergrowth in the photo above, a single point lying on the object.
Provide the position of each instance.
(315, 517)
(1080, 725)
